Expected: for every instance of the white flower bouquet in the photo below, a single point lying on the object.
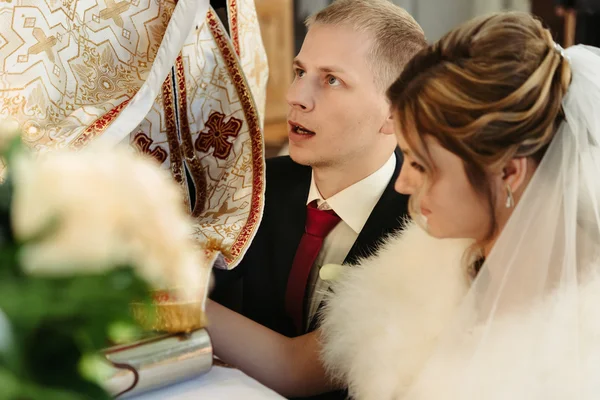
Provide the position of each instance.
(84, 236)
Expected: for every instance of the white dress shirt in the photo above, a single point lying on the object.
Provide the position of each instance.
(354, 206)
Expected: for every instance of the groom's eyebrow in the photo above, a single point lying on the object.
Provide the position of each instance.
(298, 63)
(329, 69)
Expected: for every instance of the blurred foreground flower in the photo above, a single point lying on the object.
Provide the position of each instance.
(9, 130)
(85, 238)
(100, 209)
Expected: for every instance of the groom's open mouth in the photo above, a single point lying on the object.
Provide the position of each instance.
(298, 131)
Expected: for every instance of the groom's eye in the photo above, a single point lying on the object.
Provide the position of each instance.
(333, 81)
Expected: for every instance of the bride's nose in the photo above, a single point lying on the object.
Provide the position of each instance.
(406, 182)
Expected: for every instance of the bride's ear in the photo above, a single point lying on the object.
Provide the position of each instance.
(514, 173)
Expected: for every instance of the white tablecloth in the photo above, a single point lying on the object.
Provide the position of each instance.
(218, 383)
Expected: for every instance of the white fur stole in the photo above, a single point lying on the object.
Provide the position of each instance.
(384, 316)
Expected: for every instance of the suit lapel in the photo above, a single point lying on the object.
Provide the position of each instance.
(386, 217)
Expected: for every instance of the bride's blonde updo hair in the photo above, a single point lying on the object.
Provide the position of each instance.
(488, 91)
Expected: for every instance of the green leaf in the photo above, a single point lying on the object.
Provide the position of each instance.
(58, 321)
(9, 265)
(15, 388)
(95, 368)
(9, 383)
(121, 332)
(15, 148)
(87, 391)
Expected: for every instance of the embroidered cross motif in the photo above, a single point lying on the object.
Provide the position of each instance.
(44, 44)
(143, 143)
(114, 11)
(217, 135)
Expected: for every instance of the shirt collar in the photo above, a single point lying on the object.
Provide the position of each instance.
(355, 203)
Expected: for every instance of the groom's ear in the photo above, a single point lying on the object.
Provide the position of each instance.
(388, 125)
(515, 172)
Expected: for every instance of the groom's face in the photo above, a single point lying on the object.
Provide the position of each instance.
(336, 108)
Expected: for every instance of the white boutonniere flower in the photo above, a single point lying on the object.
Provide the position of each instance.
(331, 272)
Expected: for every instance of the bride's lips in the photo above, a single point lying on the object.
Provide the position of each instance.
(425, 212)
(298, 132)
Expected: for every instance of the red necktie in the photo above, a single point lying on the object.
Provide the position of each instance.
(318, 225)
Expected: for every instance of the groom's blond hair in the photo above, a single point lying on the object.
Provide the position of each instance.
(396, 36)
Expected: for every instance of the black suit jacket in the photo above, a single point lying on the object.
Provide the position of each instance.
(260, 280)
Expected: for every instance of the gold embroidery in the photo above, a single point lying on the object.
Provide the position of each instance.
(62, 104)
(44, 44)
(98, 126)
(172, 139)
(246, 233)
(223, 210)
(234, 26)
(252, 57)
(192, 161)
(257, 70)
(102, 78)
(114, 10)
(86, 82)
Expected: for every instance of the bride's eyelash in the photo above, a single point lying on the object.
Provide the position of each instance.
(418, 167)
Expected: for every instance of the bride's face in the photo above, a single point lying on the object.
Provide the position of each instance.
(452, 207)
